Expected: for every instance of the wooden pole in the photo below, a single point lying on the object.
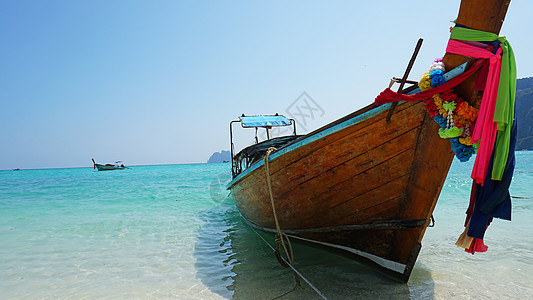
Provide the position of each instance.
(405, 75)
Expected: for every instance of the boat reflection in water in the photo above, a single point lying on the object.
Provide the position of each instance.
(234, 262)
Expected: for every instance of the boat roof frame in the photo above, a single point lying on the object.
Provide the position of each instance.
(266, 127)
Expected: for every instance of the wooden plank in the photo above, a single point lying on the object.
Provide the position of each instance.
(365, 127)
(334, 173)
(380, 205)
(359, 195)
(313, 159)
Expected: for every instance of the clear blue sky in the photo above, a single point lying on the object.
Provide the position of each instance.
(156, 82)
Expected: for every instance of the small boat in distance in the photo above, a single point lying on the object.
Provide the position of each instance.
(118, 165)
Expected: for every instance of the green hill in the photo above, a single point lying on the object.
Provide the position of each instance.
(524, 113)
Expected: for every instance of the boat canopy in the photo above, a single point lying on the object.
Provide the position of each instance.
(264, 121)
(253, 153)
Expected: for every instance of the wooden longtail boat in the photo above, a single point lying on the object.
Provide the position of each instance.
(363, 183)
(108, 167)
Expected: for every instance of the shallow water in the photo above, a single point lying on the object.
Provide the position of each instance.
(173, 232)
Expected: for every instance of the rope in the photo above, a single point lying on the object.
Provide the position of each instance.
(280, 236)
(293, 268)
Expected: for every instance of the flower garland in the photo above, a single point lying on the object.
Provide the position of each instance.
(454, 115)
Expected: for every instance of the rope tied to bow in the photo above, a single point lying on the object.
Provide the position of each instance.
(280, 236)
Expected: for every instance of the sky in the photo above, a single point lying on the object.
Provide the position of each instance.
(157, 82)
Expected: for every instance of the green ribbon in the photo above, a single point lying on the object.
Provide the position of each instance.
(504, 110)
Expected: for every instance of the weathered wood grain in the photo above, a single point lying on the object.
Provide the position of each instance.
(372, 171)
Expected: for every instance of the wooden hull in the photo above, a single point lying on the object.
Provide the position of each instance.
(107, 168)
(362, 184)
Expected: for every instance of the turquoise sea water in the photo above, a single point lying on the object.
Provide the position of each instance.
(171, 232)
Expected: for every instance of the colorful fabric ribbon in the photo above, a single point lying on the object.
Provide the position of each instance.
(504, 107)
(487, 201)
(388, 95)
(494, 127)
(485, 129)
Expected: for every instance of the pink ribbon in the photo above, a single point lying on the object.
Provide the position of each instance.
(388, 95)
(485, 128)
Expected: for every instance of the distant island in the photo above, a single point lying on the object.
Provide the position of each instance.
(220, 157)
(524, 113)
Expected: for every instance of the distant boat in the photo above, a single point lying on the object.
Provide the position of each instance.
(118, 165)
(366, 184)
(15, 169)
